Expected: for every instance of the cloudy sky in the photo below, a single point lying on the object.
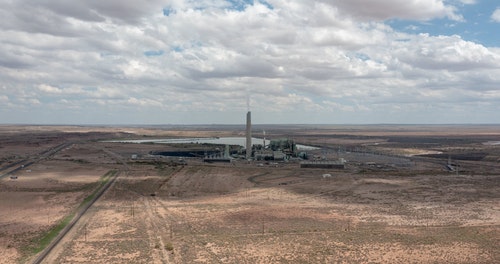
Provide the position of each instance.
(288, 61)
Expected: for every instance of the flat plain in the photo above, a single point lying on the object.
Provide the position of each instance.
(395, 202)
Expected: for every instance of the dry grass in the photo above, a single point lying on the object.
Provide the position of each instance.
(243, 213)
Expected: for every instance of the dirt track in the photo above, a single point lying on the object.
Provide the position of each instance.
(361, 220)
(160, 213)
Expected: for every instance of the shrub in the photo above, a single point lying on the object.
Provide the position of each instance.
(169, 246)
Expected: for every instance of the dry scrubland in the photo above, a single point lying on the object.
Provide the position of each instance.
(381, 209)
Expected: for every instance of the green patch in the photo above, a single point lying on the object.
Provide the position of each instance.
(104, 179)
(169, 246)
(40, 243)
(44, 241)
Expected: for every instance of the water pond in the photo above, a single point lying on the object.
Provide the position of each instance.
(241, 141)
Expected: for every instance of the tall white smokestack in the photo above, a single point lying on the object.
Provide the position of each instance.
(249, 135)
(264, 140)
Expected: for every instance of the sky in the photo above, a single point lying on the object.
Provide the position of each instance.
(288, 61)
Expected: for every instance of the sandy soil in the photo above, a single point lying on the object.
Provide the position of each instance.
(194, 217)
(41, 196)
(381, 209)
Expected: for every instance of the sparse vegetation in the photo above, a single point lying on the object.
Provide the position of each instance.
(241, 212)
(104, 179)
(42, 242)
(169, 247)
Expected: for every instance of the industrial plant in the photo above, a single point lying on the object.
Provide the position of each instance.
(278, 149)
(230, 149)
(227, 150)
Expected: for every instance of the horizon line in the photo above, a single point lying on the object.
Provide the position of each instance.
(254, 124)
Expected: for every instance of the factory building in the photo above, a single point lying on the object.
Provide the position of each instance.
(278, 149)
(285, 145)
(220, 157)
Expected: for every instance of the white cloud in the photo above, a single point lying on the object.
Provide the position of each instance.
(403, 9)
(144, 102)
(496, 15)
(468, 2)
(4, 100)
(49, 89)
(316, 57)
(449, 53)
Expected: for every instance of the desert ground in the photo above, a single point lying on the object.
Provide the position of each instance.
(395, 202)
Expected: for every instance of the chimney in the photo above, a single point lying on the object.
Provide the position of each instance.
(249, 136)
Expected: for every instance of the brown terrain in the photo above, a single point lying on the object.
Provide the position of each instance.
(395, 202)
